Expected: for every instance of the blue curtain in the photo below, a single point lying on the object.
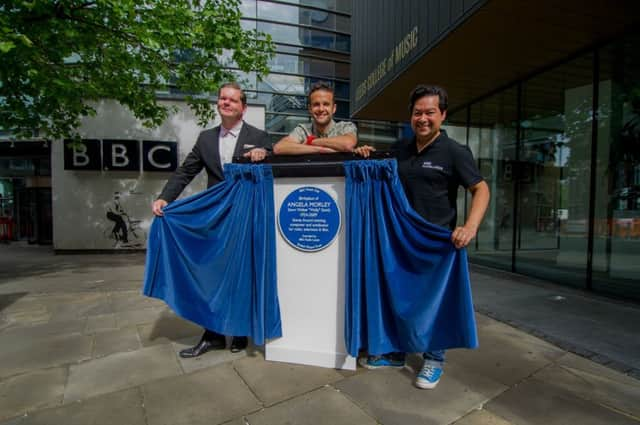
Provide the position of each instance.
(211, 258)
(407, 286)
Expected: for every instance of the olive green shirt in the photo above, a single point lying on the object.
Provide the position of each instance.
(301, 131)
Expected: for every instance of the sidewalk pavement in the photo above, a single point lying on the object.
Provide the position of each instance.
(80, 345)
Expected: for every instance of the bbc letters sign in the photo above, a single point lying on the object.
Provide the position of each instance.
(85, 156)
(121, 155)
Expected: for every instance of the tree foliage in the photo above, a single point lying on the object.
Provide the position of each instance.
(56, 57)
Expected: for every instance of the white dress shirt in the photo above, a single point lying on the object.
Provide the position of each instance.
(228, 139)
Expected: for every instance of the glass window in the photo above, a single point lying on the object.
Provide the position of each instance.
(308, 66)
(306, 37)
(617, 208)
(289, 84)
(248, 8)
(341, 90)
(248, 25)
(299, 85)
(323, 54)
(554, 173)
(302, 16)
(492, 138)
(247, 80)
(6, 197)
(378, 133)
(343, 6)
(342, 111)
(12, 167)
(278, 123)
(281, 102)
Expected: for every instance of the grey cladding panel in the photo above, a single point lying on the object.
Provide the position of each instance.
(444, 13)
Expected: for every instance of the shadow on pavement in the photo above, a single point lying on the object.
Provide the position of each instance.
(7, 299)
(19, 260)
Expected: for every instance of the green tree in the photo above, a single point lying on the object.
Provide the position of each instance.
(56, 57)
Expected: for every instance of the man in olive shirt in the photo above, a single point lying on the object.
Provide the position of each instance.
(323, 134)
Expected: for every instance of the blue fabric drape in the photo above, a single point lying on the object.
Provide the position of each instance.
(407, 286)
(211, 258)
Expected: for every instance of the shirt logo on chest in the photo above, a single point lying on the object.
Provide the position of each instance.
(428, 164)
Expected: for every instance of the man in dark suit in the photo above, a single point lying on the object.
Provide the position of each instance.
(214, 148)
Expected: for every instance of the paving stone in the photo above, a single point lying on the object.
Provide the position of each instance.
(505, 354)
(209, 359)
(26, 311)
(18, 421)
(591, 381)
(48, 328)
(100, 323)
(390, 396)
(121, 408)
(38, 353)
(349, 373)
(120, 371)
(43, 330)
(483, 320)
(208, 396)
(325, 406)
(482, 417)
(584, 323)
(535, 402)
(31, 391)
(57, 307)
(8, 299)
(4, 323)
(116, 341)
(69, 306)
(129, 277)
(236, 421)
(167, 328)
(133, 300)
(115, 284)
(274, 381)
(139, 317)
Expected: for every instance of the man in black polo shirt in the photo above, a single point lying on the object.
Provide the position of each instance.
(431, 167)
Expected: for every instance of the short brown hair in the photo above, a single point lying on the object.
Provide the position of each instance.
(320, 85)
(234, 85)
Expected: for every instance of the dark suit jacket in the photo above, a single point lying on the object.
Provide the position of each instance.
(206, 154)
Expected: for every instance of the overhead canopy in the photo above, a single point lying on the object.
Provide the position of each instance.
(481, 46)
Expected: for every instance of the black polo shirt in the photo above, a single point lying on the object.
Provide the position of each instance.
(431, 178)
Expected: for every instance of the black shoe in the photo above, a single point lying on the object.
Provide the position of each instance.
(202, 347)
(239, 343)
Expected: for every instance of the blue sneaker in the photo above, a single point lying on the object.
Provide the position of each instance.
(395, 360)
(429, 375)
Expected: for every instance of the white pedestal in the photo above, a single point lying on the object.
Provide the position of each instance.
(311, 290)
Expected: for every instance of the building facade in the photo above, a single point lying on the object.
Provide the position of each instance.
(313, 43)
(548, 100)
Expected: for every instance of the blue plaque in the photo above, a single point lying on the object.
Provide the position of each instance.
(309, 219)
